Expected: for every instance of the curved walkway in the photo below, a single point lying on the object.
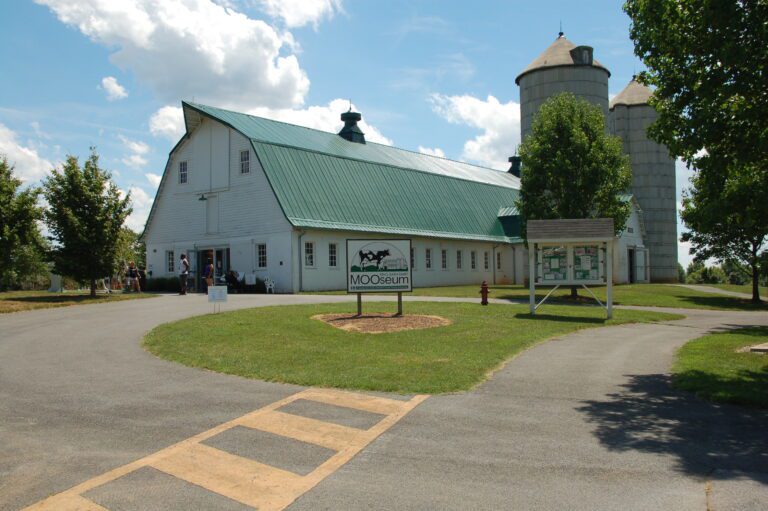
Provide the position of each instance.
(587, 421)
(716, 291)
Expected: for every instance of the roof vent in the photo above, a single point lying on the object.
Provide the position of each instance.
(582, 55)
(516, 161)
(351, 131)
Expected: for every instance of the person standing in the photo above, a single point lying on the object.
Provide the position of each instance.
(183, 274)
(208, 275)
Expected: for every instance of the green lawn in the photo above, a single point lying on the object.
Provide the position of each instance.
(283, 344)
(654, 295)
(711, 367)
(15, 301)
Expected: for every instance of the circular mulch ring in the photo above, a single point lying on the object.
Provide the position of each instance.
(379, 323)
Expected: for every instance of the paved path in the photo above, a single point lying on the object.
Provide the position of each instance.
(717, 291)
(584, 422)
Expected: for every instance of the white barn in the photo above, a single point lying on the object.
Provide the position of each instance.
(270, 199)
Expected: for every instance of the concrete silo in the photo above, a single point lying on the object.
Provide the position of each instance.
(563, 67)
(653, 177)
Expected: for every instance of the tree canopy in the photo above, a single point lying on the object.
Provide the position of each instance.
(708, 62)
(21, 244)
(85, 215)
(571, 167)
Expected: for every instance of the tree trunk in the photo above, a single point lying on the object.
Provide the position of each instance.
(755, 281)
(574, 292)
(93, 288)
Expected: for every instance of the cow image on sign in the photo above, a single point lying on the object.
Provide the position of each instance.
(379, 266)
(571, 252)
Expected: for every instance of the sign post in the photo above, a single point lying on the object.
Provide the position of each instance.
(217, 295)
(379, 266)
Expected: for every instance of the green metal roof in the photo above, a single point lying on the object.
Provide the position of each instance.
(323, 181)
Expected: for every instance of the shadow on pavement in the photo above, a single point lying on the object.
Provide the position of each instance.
(649, 416)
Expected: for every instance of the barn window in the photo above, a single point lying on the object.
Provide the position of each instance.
(458, 259)
(444, 259)
(473, 260)
(498, 260)
(486, 260)
(309, 254)
(428, 258)
(245, 162)
(170, 261)
(332, 258)
(183, 172)
(261, 255)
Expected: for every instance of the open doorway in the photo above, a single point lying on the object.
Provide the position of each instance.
(219, 257)
(632, 266)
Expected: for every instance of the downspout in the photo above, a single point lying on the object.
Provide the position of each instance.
(301, 265)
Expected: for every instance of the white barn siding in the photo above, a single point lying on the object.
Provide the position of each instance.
(241, 210)
(322, 277)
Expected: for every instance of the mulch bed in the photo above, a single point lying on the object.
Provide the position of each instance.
(379, 323)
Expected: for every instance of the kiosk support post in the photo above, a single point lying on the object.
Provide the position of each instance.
(609, 279)
(532, 276)
(399, 304)
(359, 304)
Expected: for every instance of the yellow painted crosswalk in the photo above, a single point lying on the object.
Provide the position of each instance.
(247, 481)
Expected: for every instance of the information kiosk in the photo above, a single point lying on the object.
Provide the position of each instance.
(571, 252)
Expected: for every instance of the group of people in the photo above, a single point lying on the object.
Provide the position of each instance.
(232, 279)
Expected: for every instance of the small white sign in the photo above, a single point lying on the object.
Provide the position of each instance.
(379, 266)
(217, 294)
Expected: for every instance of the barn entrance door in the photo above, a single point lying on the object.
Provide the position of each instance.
(220, 259)
(632, 265)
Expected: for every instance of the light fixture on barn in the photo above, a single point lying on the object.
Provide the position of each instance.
(202, 197)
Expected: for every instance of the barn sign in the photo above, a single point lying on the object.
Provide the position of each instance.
(376, 266)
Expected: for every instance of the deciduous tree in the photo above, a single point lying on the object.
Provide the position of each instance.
(85, 216)
(21, 245)
(571, 167)
(708, 62)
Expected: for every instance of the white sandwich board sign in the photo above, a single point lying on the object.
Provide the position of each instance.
(217, 294)
(376, 266)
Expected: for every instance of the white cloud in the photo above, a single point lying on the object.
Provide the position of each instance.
(499, 122)
(297, 13)
(113, 89)
(167, 122)
(137, 149)
(193, 48)
(326, 118)
(29, 165)
(433, 152)
(141, 203)
(134, 146)
(153, 179)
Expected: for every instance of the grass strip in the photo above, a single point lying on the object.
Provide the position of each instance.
(713, 369)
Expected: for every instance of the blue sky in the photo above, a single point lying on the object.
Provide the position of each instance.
(434, 76)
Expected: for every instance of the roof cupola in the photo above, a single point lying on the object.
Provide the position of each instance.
(516, 162)
(351, 131)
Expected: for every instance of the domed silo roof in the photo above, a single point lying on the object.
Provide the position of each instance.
(560, 53)
(635, 93)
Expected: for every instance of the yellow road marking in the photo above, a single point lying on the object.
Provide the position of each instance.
(326, 434)
(240, 479)
(248, 481)
(373, 404)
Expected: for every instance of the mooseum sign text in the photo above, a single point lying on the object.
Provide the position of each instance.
(379, 266)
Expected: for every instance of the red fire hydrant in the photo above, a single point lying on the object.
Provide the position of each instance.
(484, 293)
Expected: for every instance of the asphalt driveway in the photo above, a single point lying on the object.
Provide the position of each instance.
(587, 421)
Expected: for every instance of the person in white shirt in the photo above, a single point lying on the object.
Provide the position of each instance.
(183, 274)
